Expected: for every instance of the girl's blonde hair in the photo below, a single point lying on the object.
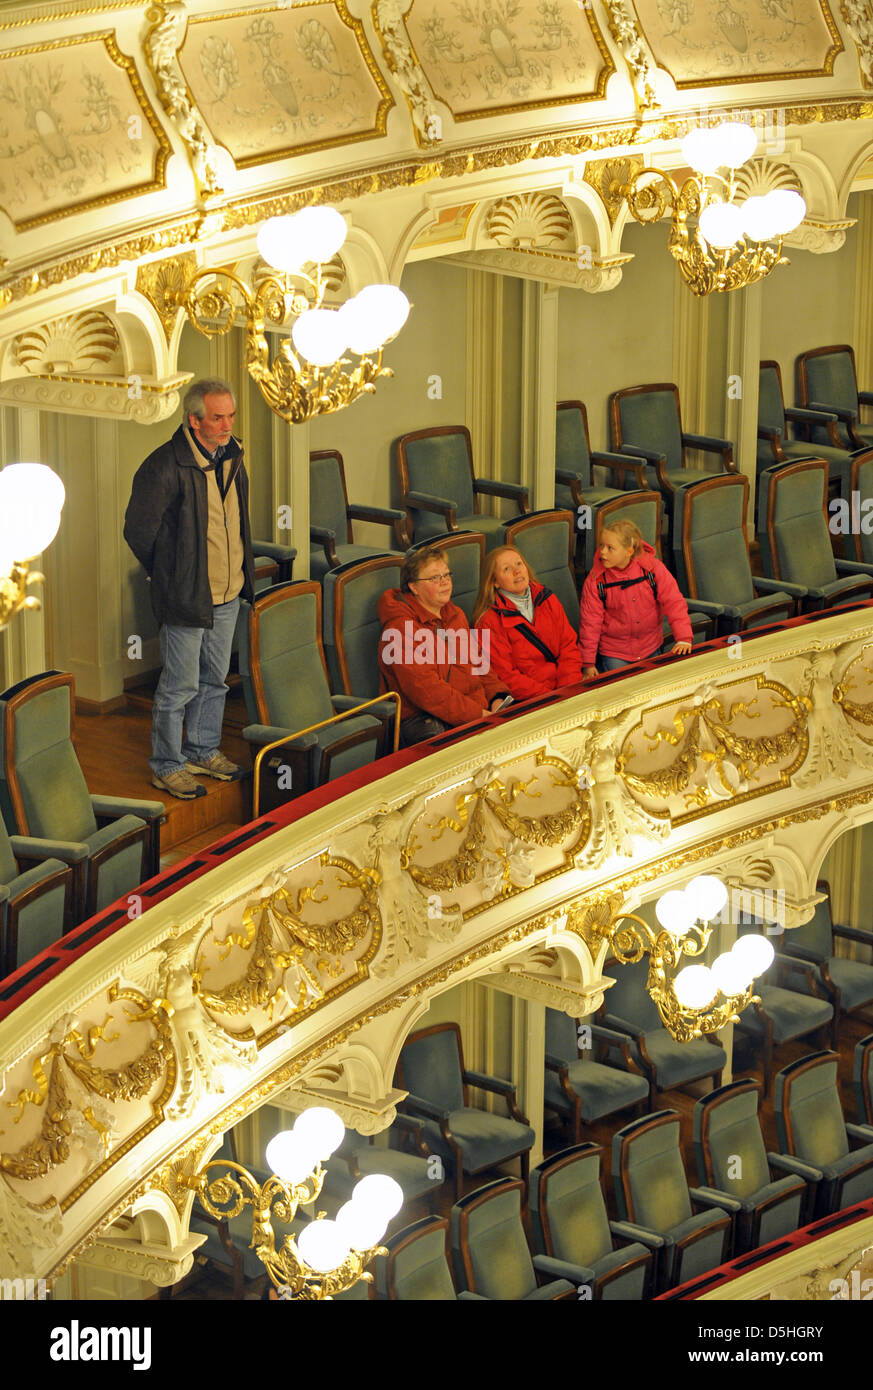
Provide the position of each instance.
(488, 585)
(628, 533)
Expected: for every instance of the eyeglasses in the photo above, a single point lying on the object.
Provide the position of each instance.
(433, 578)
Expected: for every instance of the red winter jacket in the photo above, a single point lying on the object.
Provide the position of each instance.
(626, 622)
(516, 660)
(433, 662)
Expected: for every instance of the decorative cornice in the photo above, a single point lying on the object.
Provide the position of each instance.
(161, 43)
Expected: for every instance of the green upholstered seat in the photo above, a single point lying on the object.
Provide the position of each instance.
(731, 1158)
(286, 690)
(570, 1225)
(573, 456)
(431, 1068)
(827, 380)
(862, 1080)
(547, 541)
(465, 557)
(357, 1158)
(578, 1087)
(417, 1265)
(664, 1061)
(490, 1249)
(331, 516)
(111, 843)
(716, 569)
(34, 902)
(774, 444)
(813, 1131)
(848, 984)
(351, 623)
(644, 509)
(439, 490)
(795, 541)
(653, 1197)
(793, 1014)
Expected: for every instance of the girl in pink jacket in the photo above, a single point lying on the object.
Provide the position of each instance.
(624, 598)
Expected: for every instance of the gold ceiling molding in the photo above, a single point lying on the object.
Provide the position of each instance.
(58, 168)
(623, 27)
(608, 177)
(859, 18)
(72, 9)
(401, 60)
(161, 283)
(248, 212)
(160, 45)
(526, 220)
(78, 343)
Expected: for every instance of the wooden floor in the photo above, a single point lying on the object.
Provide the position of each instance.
(114, 750)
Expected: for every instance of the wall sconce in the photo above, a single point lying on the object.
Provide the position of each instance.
(307, 376)
(687, 997)
(31, 500)
(327, 1257)
(733, 244)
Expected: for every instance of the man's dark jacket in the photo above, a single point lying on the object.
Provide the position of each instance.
(165, 527)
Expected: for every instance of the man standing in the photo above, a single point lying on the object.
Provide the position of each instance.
(187, 523)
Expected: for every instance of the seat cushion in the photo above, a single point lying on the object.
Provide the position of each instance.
(701, 1255)
(793, 1014)
(784, 1215)
(675, 1063)
(484, 1139)
(853, 979)
(601, 1089)
(429, 526)
(318, 566)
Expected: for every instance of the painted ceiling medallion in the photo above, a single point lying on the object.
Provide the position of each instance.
(85, 342)
(530, 219)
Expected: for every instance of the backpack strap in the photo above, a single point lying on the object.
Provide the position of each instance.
(647, 577)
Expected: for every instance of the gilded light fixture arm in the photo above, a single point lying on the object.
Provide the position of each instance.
(225, 1196)
(665, 952)
(13, 591)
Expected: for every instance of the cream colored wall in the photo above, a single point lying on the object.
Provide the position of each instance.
(809, 303)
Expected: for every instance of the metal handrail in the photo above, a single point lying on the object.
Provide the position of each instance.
(298, 733)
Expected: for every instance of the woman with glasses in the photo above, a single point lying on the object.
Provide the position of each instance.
(428, 654)
(533, 647)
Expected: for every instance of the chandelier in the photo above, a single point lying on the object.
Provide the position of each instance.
(31, 499)
(693, 999)
(732, 244)
(327, 1257)
(309, 374)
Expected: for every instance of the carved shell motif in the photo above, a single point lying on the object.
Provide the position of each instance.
(760, 176)
(85, 342)
(530, 219)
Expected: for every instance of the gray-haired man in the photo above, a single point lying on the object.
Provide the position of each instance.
(187, 523)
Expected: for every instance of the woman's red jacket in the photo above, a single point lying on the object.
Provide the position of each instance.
(448, 689)
(516, 660)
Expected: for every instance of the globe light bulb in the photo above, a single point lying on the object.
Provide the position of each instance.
(734, 142)
(708, 897)
(755, 951)
(320, 1130)
(695, 987)
(379, 1192)
(31, 499)
(319, 336)
(758, 219)
(701, 150)
(731, 974)
(361, 1224)
(291, 1160)
(375, 314)
(721, 224)
(675, 912)
(788, 210)
(323, 1246)
(306, 237)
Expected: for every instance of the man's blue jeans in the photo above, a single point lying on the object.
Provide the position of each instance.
(191, 689)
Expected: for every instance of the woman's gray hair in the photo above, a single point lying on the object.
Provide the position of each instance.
(193, 402)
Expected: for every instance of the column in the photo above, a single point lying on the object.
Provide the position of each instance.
(485, 372)
(690, 355)
(539, 392)
(290, 456)
(528, 1066)
(862, 338)
(741, 387)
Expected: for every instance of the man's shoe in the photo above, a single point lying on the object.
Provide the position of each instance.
(179, 783)
(216, 765)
